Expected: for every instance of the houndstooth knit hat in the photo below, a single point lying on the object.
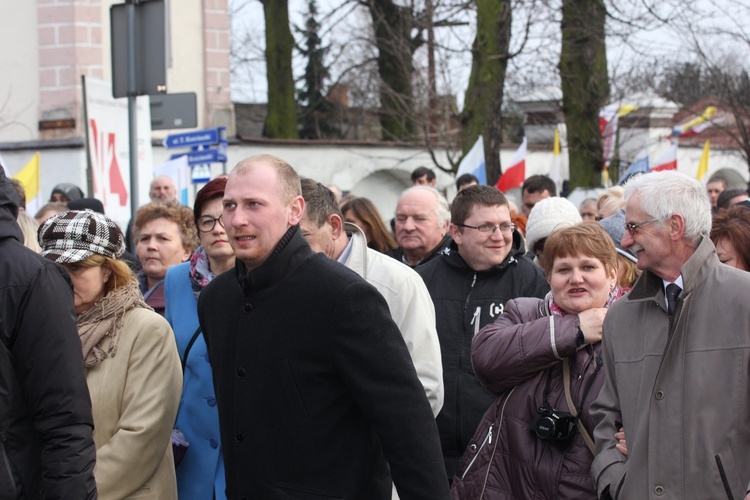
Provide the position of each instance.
(74, 236)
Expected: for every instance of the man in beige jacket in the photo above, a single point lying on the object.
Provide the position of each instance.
(672, 417)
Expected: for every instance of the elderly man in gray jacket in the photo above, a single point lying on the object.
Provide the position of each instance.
(404, 291)
(672, 417)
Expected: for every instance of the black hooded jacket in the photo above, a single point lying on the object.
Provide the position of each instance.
(466, 300)
(46, 429)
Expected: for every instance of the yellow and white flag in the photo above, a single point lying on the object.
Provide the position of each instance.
(29, 178)
(703, 165)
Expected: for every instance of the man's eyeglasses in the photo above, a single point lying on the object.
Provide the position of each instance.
(490, 228)
(633, 227)
(206, 223)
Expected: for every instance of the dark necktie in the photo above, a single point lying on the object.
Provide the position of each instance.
(673, 293)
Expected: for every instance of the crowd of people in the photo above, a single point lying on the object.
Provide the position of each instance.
(278, 340)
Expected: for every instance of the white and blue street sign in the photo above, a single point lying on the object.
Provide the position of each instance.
(206, 137)
(202, 156)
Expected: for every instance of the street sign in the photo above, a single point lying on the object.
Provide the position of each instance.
(206, 137)
(202, 157)
(201, 174)
(169, 111)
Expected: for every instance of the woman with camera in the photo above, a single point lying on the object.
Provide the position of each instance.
(542, 358)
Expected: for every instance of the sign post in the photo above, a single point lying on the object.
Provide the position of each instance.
(139, 27)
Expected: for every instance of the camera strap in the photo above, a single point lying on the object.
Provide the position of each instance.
(571, 406)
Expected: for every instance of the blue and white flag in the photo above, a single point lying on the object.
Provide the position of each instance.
(639, 165)
(473, 162)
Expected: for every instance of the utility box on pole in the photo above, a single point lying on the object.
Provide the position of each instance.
(139, 65)
(150, 48)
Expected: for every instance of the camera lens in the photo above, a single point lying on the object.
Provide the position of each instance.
(545, 428)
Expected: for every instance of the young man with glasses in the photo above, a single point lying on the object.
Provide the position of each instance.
(470, 283)
(671, 419)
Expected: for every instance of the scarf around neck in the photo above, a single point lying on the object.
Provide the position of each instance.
(105, 320)
(200, 271)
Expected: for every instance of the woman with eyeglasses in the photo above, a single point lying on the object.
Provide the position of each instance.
(200, 471)
(535, 440)
(164, 237)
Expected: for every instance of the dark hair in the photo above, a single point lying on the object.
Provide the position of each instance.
(21, 192)
(733, 225)
(467, 199)
(171, 211)
(585, 238)
(320, 202)
(213, 189)
(365, 210)
(723, 200)
(465, 179)
(539, 184)
(420, 172)
(718, 178)
(68, 190)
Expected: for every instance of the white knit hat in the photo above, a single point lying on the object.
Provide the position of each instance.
(547, 216)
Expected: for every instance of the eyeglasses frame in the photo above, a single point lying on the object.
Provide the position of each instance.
(633, 227)
(498, 227)
(213, 225)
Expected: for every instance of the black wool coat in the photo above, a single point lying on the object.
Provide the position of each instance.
(316, 391)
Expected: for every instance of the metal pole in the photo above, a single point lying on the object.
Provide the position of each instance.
(132, 110)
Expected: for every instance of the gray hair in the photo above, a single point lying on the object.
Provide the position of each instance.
(671, 192)
(443, 211)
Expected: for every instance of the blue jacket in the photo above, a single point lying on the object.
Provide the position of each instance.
(201, 472)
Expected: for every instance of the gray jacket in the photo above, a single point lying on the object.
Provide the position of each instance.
(680, 390)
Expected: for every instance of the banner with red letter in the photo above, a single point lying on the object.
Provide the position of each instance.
(107, 142)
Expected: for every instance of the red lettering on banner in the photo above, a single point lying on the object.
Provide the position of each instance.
(105, 165)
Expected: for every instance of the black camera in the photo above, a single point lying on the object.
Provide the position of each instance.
(552, 425)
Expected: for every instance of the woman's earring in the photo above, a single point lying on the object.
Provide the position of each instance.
(611, 285)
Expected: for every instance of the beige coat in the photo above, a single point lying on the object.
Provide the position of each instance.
(134, 398)
(683, 395)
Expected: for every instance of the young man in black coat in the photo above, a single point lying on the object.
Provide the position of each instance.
(484, 268)
(47, 447)
(316, 390)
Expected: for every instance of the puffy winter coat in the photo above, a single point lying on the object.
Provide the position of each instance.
(516, 357)
(46, 443)
(466, 300)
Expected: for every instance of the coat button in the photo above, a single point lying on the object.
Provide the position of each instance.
(241, 372)
(473, 448)
(239, 437)
(659, 490)
(211, 401)
(247, 308)
(659, 395)
(214, 443)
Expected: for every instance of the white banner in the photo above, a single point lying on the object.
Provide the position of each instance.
(108, 141)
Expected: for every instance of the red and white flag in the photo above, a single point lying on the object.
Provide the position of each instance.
(667, 161)
(515, 174)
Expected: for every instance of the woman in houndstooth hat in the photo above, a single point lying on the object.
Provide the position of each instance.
(132, 366)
